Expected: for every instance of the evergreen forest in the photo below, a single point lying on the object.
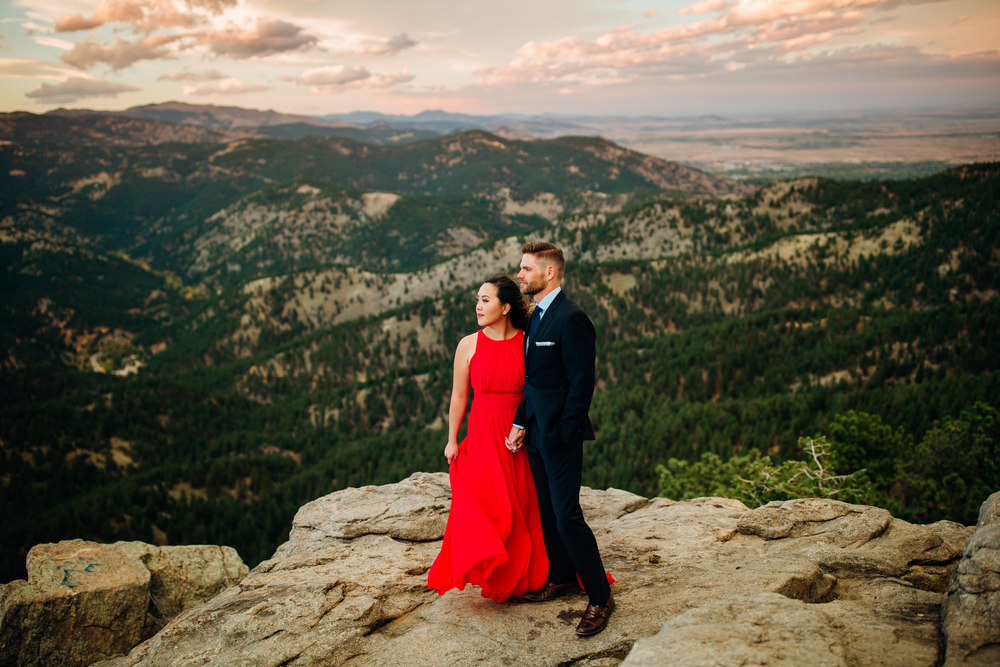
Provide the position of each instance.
(290, 310)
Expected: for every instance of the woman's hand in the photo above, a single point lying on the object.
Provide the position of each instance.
(515, 441)
(451, 451)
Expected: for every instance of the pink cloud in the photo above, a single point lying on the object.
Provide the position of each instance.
(805, 41)
(119, 55)
(735, 16)
(121, 11)
(742, 13)
(214, 7)
(162, 14)
(75, 22)
(745, 31)
(703, 7)
(798, 28)
(144, 15)
(567, 47)
(389, 79)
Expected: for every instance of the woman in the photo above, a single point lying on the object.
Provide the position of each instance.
(493, 538)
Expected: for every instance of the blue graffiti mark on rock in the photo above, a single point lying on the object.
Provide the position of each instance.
(71, 575)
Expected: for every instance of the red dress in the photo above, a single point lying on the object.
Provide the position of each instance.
(494, 537)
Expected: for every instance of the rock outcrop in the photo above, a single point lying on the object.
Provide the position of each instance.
(762, 629)
(971, 622)
(84, 601)
(700, 582)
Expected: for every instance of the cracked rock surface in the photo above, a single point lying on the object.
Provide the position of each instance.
(85, 601)
(972, 614)
(839, 584)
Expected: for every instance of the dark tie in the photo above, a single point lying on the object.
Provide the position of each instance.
(536, 317)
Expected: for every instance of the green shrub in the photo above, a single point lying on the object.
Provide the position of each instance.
(954, 468)
(755, 481)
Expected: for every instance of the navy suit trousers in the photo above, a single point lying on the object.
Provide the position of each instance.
(557, 469)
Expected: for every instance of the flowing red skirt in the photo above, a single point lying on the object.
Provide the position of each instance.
(494, 537)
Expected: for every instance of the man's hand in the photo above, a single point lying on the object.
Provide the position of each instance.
(515, 441)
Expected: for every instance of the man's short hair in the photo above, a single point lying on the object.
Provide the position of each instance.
(547, 253)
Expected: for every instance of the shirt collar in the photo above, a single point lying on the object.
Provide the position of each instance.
(547, 301)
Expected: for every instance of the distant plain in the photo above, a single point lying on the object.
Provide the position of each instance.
(897, 144)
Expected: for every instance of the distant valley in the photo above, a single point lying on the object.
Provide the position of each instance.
(292, 303)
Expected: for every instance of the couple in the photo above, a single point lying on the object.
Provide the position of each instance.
(515, 527)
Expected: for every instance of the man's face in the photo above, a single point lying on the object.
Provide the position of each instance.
(532, 275)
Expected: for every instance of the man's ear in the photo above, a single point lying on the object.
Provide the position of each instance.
(550, 272)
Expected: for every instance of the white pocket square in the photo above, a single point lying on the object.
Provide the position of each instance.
(544, 343)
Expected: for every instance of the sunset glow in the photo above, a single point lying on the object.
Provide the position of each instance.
(627, 58)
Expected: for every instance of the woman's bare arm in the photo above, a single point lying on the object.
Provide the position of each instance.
(459, 393)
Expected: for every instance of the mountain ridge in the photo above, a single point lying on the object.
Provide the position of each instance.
(100, 128)
(296, 305)
(159, 190)
(207, 115)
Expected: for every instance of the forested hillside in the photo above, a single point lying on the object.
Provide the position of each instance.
(297, 324)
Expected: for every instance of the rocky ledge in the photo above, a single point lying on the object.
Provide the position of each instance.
(699, 582)
(85, 601)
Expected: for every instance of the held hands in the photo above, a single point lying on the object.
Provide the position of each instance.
(451, 451)
(515, 441)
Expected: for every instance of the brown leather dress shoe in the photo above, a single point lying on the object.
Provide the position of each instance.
(595, 619)
(552, 591)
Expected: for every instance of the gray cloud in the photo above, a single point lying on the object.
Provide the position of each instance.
(187, 75)
(334, 79)
(264, 37)
(76, 89)
(333, 75)
(390, 47)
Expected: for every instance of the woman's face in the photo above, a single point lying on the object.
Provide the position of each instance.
(489, 310)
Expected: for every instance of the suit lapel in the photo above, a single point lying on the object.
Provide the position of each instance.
(547, 318)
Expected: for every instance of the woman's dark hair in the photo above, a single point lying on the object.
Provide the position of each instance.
(508, 292)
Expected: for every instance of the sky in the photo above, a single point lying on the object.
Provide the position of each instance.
(607, 57)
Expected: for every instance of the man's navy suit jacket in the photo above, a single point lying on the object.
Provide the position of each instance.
(559, 374)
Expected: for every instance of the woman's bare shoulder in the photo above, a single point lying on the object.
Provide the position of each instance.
(467, 346)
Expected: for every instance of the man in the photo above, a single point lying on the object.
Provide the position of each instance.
(551, 425)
